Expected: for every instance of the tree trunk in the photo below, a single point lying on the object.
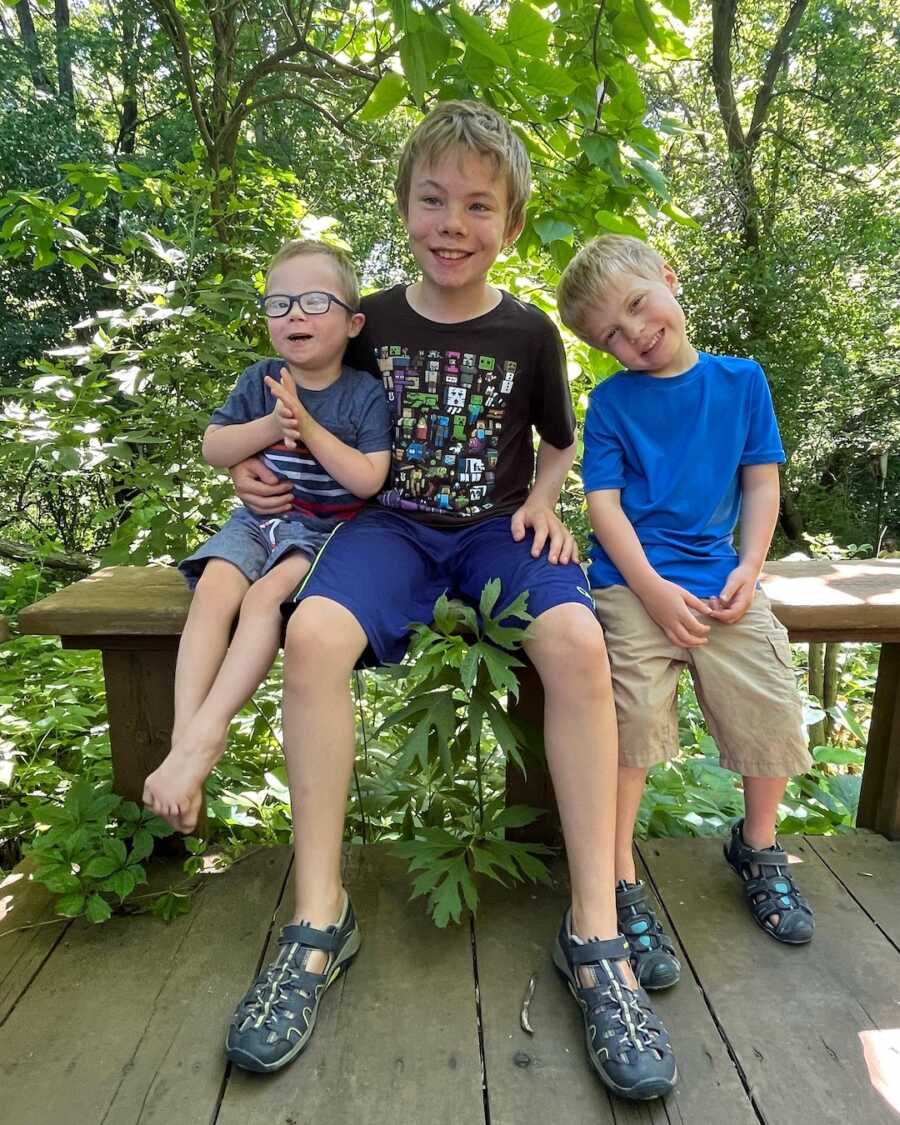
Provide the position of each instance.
(816, 687)
(830, 685)
(129, 115)
(32, 49)
(64, 54)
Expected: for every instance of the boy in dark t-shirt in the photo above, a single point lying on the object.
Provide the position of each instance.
(470, 371)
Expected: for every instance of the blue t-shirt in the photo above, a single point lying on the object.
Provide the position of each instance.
(675, 448)
(354, 408)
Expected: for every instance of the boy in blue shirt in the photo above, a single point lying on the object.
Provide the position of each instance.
(677, 446)
(471, 372)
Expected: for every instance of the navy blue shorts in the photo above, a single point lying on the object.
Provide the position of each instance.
(389, 570)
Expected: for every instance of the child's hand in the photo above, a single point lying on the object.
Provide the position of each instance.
(671, 607)
(736, 596)
(289, 412)
(546, 525)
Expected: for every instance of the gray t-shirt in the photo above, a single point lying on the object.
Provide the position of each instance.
(353, 408)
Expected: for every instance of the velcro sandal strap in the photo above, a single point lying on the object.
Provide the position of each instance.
(311, 938)
(631, 896)
(774, 857)
(613, 949)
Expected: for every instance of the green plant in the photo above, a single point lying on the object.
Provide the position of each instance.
(90, 851)
(456, 734)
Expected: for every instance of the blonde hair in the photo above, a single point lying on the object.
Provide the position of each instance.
(307, 247)
(595, 266)
(468, 127)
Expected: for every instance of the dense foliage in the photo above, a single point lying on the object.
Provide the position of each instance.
(154, 153)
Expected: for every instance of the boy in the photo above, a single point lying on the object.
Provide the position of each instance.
(675, 445)
(326, 431)
(469, 370)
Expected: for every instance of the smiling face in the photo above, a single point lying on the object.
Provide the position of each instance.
(639, 321)
(458, 220)
(312, 345)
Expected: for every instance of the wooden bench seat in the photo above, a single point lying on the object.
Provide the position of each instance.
(134, 616)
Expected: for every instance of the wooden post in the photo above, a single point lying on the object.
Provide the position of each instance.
(879, 798)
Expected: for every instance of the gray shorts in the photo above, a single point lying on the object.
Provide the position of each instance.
(254, 544)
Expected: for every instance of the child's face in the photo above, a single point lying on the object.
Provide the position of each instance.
(639, 321)
(457, 219)
(312, 344)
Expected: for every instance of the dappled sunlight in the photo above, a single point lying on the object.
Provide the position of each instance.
(7, 897)
(881, 1050)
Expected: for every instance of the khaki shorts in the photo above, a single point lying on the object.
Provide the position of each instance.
(743, 677)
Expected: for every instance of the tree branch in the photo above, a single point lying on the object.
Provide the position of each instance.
(723, 12)
(175, 29)
(773, 66)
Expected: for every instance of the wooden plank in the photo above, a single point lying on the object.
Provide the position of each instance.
(396, 1039)
(125, 1022)
(842, 595)
(793, 1016)
(547, 1076)
(116, 600)
(879, 798)
(28, 932)
(869, 867)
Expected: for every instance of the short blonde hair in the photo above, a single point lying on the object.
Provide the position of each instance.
(307, 247)
(595, 266)
(469, 127)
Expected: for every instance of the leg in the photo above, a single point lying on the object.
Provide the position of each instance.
(628, 801)
(204, 643)
(202, 740)
(323, 643)
(762, 796)
(204, 640)
(566, 647)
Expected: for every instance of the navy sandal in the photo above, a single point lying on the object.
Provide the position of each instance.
(652, 954)
(772, 891)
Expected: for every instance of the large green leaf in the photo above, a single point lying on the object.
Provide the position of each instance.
(388, 93)
(549, 79)
(526, 29)
(475, 34)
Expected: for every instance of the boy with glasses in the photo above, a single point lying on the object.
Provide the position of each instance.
(327, 431)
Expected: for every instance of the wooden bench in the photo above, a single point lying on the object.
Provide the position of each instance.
(134, 616)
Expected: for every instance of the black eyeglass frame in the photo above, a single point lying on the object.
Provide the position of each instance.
(297, 298)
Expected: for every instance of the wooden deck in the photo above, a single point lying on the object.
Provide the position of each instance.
(123, 1023)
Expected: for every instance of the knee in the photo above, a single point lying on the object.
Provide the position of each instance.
(573, 654)
(220, 590)
(318, 646)
(261, 598)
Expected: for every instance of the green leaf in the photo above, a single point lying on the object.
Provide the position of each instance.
(489, 596)
(171, 905)
(648, 22)
(423, 50)
(97, 909)
(388, 93)
(618, 224)
(58, 879)
(70, 906)
(101, 866)
(549, 79)
(653, 176)
(549, 229)
(682, 217)
(122, 883)
(526, 29)
(141, 845)
(680, 9)
(599, 149)
(475, 34)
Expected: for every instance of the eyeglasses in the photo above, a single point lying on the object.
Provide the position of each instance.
(313, 304)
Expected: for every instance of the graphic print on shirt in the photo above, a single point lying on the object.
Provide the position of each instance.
(448, 409)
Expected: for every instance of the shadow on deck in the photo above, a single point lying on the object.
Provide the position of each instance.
(124, 1023)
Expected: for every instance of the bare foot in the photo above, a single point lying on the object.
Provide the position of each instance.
(175, 790)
